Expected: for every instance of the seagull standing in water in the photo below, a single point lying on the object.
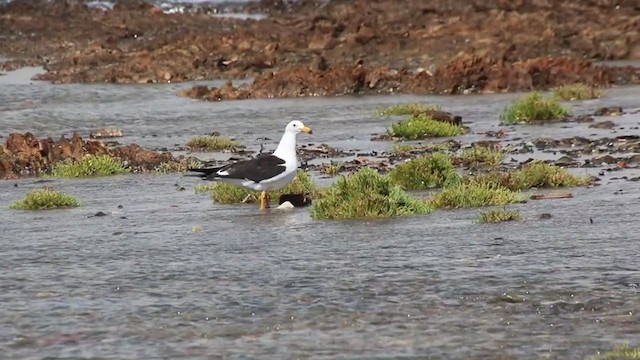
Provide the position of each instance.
(266, 172)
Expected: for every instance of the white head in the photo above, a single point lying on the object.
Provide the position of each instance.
(296, 127)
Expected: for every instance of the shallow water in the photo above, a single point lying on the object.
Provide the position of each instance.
(139, 283)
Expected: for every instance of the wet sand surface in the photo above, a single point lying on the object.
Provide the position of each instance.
(139, 283)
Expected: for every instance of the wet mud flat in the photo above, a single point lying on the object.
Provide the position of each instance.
(167, 272)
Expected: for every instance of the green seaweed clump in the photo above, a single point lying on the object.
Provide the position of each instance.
(426, 172)
(533, 108)
(475, 195)
(178, 166)
(537, 174)
(498, 215)
(408, 109)
(577, 91)
(225, 193)
(423, 126)
(90, 165)
(620, 352)
(366, 194)
(211, 143)
(487, 155)
(332, 169)
(45, 199)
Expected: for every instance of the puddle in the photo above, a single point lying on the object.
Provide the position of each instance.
(281, 285)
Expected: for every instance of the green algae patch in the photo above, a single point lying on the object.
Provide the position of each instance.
(408, 109)
(486, 155)
(426, 172)
(498, 215)
(475, 195)
(534, 108)
(421, 127)
(620, 352)
(46, 199)
(178, 166)
(576, 91)
(366, 194)
(89, 166)
(211, 143)
(537, 174)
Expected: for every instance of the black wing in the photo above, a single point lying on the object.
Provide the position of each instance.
(206, 171)
(264, 166)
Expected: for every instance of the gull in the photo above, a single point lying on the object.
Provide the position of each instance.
(267, 171)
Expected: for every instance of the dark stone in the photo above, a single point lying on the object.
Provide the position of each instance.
(99, 213)
(545, 216)
(584, 119)
(564, 161)
(603, 125)
(607, 111)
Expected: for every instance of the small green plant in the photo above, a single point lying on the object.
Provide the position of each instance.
(404, 148)
(426, 172)
(475, 195)
(332, 169)
(211, 143)
(577, 91)
(505, 179)
(205, 188)
(498, 215)
(540, 175)
(533, 108)
(225, 193)
(536, 174)
(366, 194)
(620, 352)
(428, 148)
(408, 109)
(90, 165)
(45, 199)
(178, 166)
(490, 156)
(423, 126)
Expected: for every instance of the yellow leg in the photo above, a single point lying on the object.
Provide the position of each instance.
(263, 200)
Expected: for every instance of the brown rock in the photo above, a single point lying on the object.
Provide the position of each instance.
(141, 159)
(608, 111)
(106, 133)
(552, 196)
(25, 155)
(605, 159)
(584, 119)
(136, 43)
(603, 125)
(633, 159)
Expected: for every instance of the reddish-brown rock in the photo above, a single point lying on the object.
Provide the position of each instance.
(25, 155)
(140, 159)
(137, 43)
(466, 74)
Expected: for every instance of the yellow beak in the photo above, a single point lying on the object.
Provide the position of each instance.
(307, 130)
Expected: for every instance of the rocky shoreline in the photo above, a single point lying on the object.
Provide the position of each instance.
(23, 154)
(464, 75)
(415, 47)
